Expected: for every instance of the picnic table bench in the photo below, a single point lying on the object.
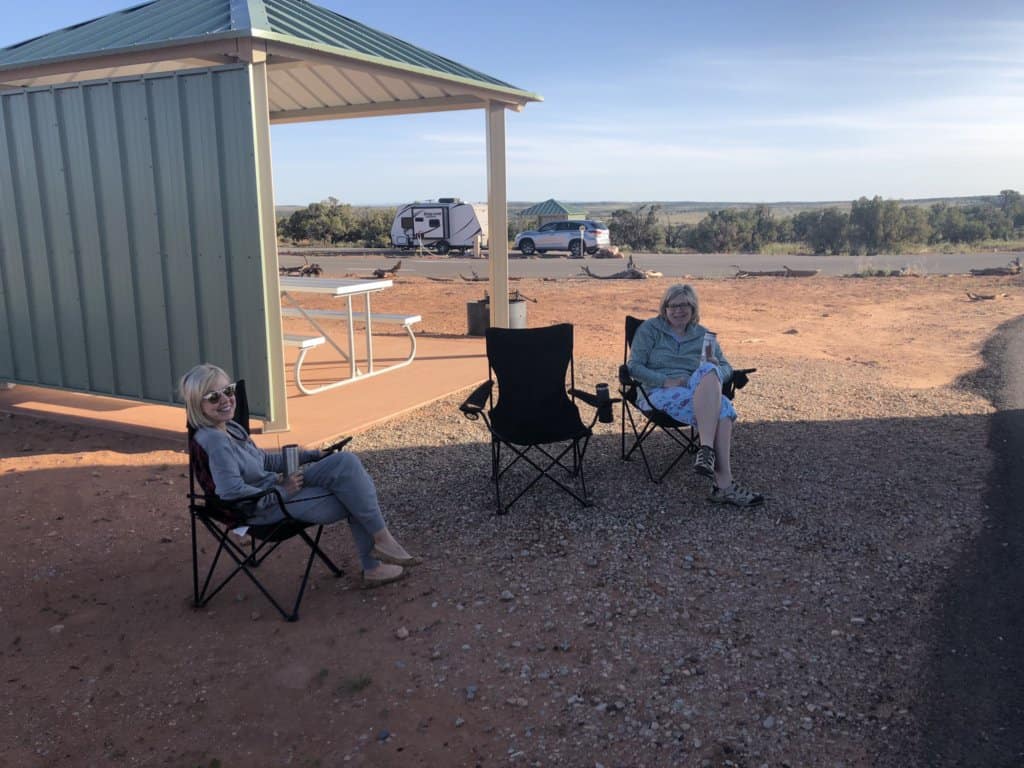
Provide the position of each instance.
(304, 343)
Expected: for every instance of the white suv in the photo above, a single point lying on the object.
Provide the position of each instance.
(564, 236)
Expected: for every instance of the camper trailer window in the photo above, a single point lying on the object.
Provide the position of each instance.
(407, 222)
(435, 222)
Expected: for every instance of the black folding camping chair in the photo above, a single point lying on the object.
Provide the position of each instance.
(643, 422)
(535, 422)
(221, 519)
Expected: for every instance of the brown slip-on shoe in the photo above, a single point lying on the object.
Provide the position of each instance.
(384, 557)
(373, 583)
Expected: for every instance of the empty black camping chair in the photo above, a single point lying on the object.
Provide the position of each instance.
(535, 420)
(220, 518)
(643, 422)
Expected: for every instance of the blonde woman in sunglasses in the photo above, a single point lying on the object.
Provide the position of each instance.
(327, 487)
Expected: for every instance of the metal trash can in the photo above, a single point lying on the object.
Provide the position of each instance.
(478, 314)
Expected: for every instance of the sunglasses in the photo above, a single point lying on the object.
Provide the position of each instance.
(214, 397)
(682, 305)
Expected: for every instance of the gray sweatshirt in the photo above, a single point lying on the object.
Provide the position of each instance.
(239, 468)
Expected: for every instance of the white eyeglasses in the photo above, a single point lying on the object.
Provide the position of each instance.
(214, 397)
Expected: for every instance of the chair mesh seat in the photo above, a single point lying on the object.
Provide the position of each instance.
(548, 425)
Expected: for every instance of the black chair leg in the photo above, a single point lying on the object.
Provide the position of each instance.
(553, 461)
(246, 560)
(315, 546)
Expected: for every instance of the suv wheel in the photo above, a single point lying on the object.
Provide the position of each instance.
(526, 246)
(575, 248)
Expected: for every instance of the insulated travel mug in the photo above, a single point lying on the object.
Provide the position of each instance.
(291, 459)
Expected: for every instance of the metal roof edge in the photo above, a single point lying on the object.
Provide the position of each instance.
(238, 12)
(159, 45)
(256, 11)
(348, 53)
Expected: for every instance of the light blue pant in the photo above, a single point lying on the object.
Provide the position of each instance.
(337, 487)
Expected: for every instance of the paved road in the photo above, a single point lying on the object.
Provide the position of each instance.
(353, 260)
(975, 718)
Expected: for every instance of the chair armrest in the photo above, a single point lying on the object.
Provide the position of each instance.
(234, 511)
(601, 401)
(592, 399)
(280, 501)
(738, 380)
(476, 402)
(338, 446)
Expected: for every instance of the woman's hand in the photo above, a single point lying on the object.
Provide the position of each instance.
(669, 382)
(293, 483)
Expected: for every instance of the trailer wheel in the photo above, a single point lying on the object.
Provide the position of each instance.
(442, 247)
(575, 249)
(526, 247)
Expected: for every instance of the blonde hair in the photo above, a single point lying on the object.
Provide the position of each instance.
(193, 385)
(687, 294)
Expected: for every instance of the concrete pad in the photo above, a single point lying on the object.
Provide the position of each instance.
(443, 366)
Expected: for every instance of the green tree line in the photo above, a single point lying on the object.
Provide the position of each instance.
(331, 222)
(871, 226)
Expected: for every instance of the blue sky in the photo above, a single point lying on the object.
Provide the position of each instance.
(658, 100)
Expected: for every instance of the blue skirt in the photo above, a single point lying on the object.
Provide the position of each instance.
(677, 402)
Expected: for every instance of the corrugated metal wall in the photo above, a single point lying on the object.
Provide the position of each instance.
(129, 235)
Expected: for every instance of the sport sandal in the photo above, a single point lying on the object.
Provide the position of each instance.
(736, 495)
(705, 461)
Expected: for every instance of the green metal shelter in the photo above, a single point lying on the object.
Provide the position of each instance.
(137, 228)
(552, 210)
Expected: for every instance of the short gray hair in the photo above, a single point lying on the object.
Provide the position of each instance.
(680, 292)
(193, 385)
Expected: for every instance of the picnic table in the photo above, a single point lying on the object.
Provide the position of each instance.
(349, 290)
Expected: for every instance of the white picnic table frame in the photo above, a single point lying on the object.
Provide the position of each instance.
(338, 288)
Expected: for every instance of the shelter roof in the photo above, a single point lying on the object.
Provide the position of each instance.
(320, 64)
(552, 207)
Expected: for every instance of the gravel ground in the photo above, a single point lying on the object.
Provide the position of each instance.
(652, 629)
(656, 628)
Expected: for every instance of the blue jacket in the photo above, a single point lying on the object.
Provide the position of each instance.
(656, 354)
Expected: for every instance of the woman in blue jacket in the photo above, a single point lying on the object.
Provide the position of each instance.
(684, 379)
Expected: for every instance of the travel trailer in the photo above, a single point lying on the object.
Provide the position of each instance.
(447, 224)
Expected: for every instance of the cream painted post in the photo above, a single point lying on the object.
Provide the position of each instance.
(497, 213)
(268, 235)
